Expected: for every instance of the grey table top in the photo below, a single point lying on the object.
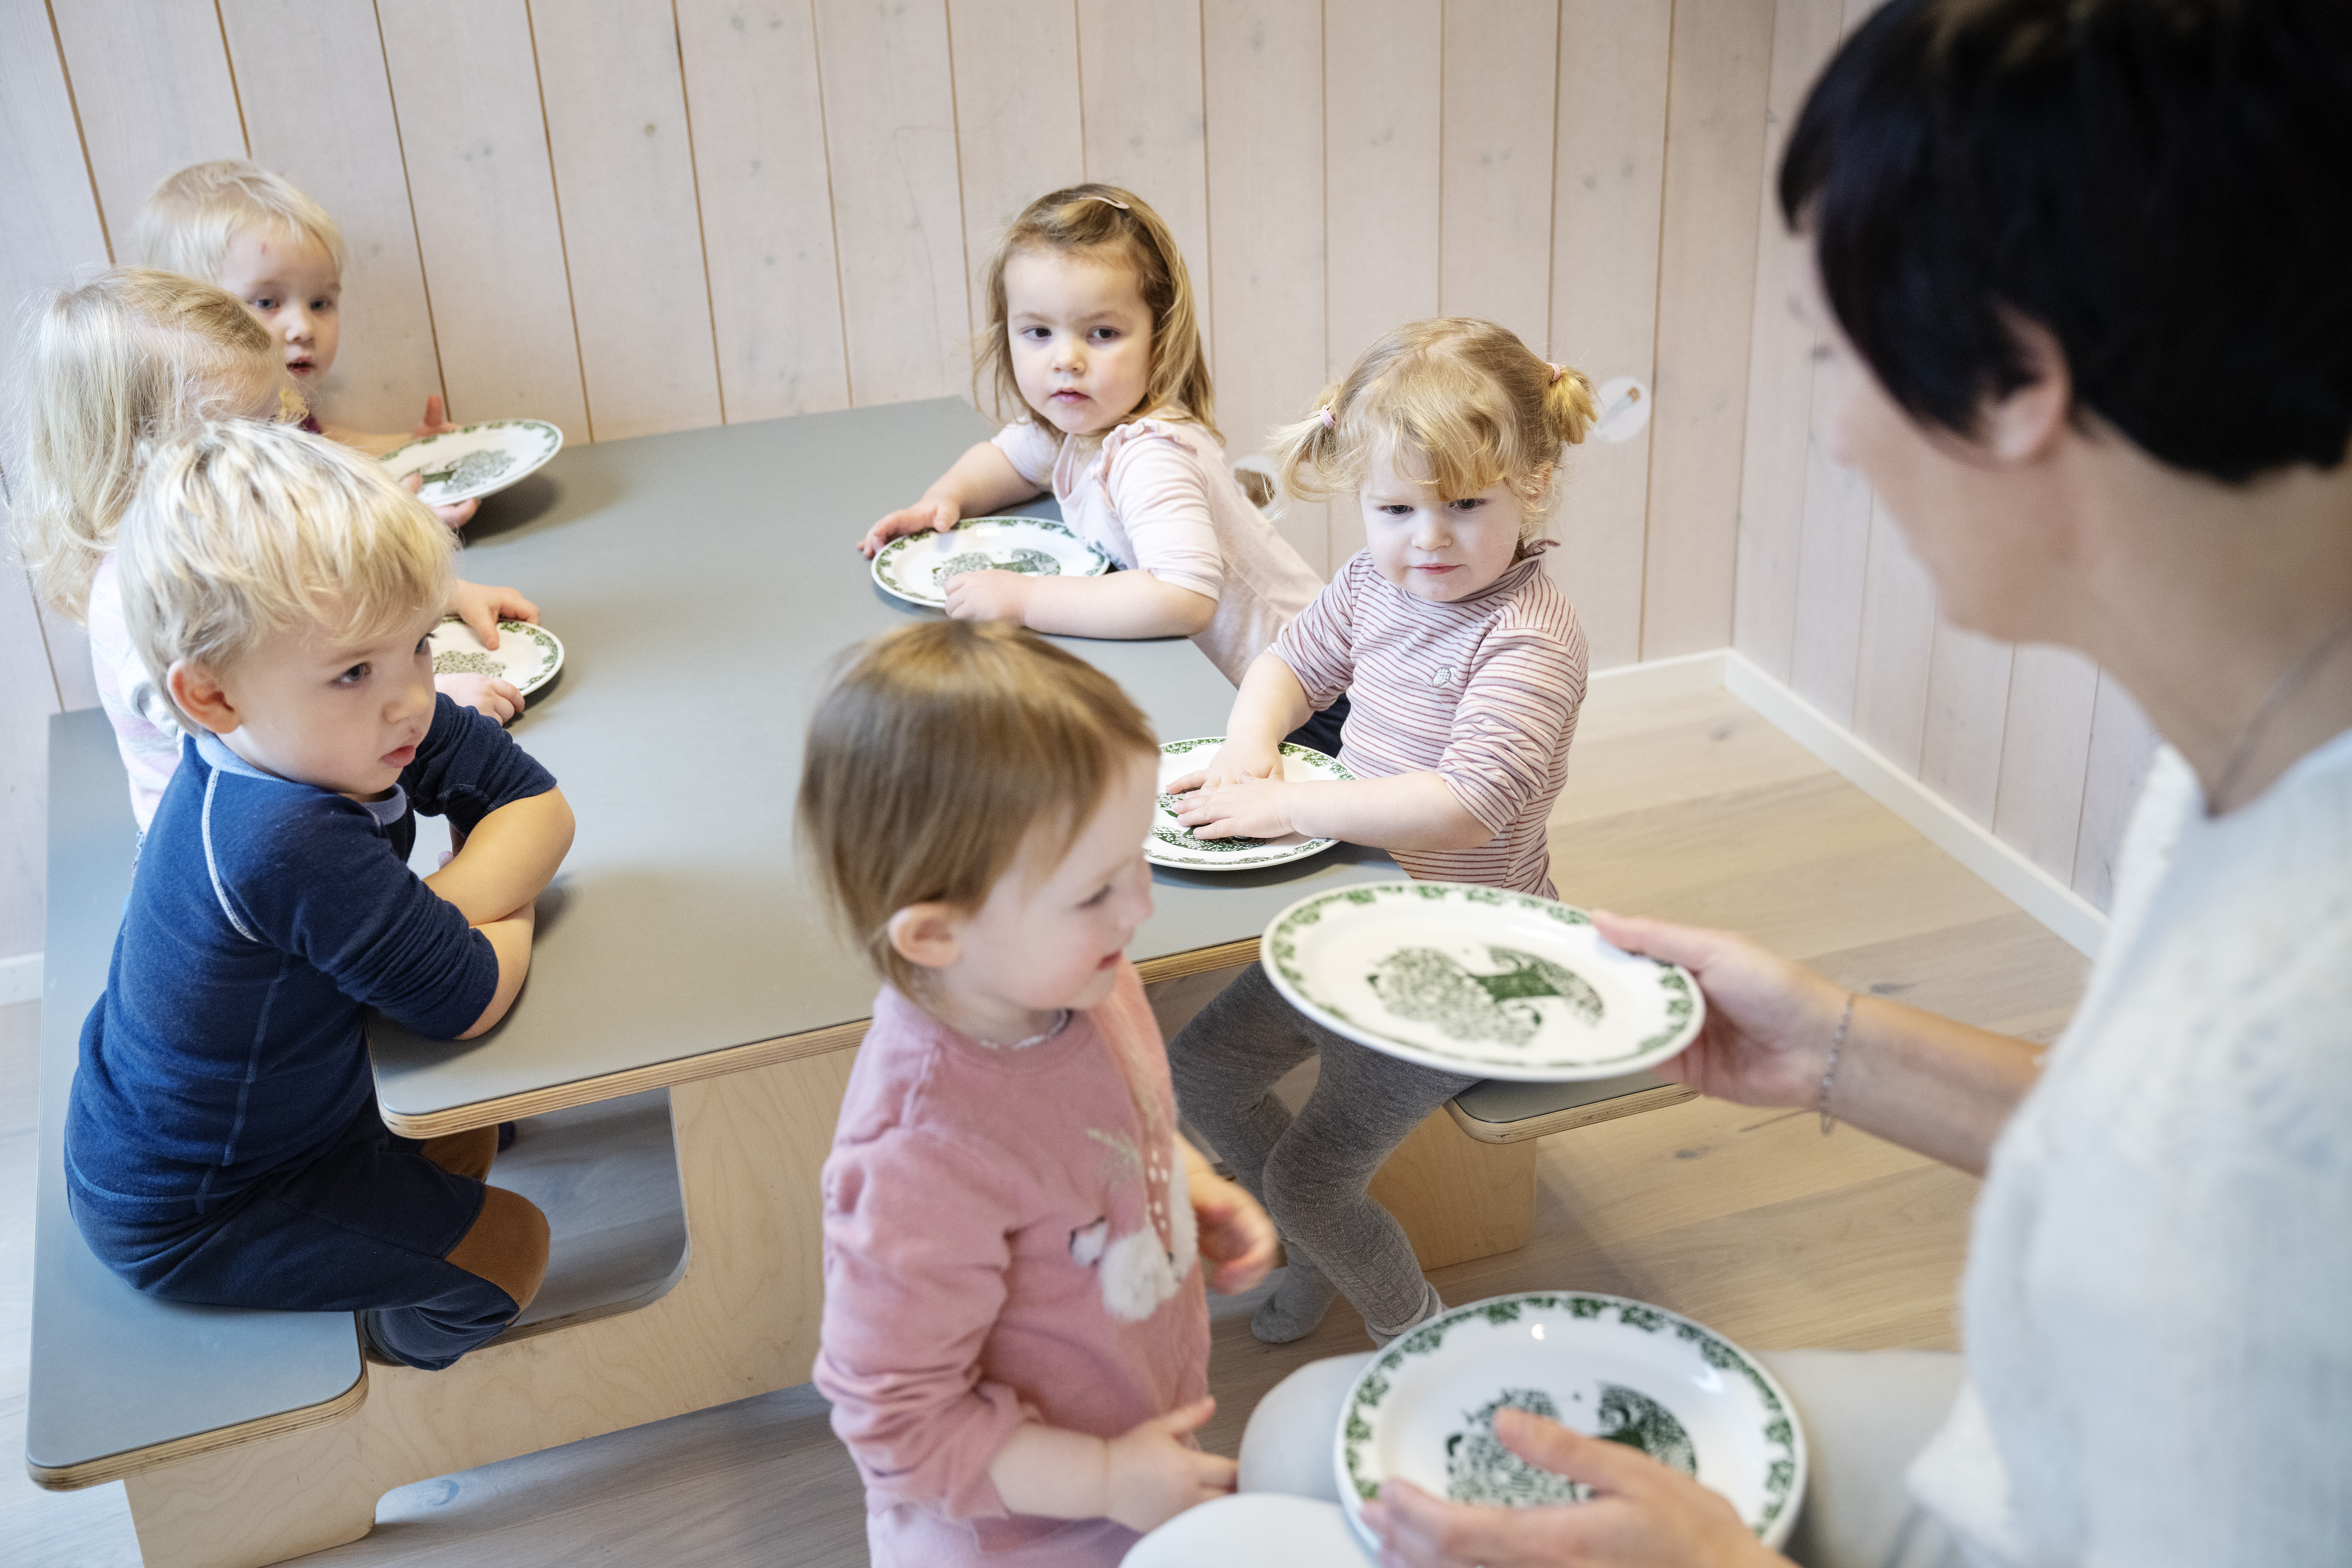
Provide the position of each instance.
(113, 1370)
(701, 583)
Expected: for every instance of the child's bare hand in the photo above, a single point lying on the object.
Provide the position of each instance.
(1153, 1474)
(454, 517)
(482, 608)
(1235, 1234)
(1232, 762)
(924, 517)
(433, 422)
(1249, 808)
(483, 693)
(988, 596)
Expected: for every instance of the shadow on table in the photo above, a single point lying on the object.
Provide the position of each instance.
(1270, 876)
(530, 502)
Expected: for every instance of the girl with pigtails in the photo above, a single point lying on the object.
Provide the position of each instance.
(1464, 665)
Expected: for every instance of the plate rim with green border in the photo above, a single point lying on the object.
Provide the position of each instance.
(513, 475)
(1684, 1006)
(1784, 1479)
(900, 545)
(1285, 855)
(551, 644)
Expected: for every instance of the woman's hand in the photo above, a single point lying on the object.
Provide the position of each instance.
(1151, 1474)
(482, 608)
(1248, 808)
(1769, 1022)
(486, 694)
(989, 596)
(932, 514)
(1235, 1235)
(1642, 1514)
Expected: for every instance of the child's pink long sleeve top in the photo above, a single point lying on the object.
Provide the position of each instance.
(1006, 1238)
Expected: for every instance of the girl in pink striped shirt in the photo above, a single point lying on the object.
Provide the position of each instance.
(1092, 327)
(1465, 667)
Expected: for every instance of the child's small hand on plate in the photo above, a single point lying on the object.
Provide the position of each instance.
(1249, 808)
(486, 694)
(923, 517)
(454, 517)
(988, 596)
(1232, 763)
(482, 608)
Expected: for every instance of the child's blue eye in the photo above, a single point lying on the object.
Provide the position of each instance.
(1468, 503)
(1035, 335)
(265, 303)
(353, 676)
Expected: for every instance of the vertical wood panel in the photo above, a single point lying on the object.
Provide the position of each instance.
(2045, 749)
(1265, 118)
(616, 132)
(1607, 181)
(2122, 744)
(1781, 369)
(1968, 704)
(317, 110)
(1139, 86)
(1018, 130)
(1832, 556)
(1899, 637)
(1496, 139)
(151, 80)
(1381, 186)
(464, 88)
(752, 97)
(1717, 77)
(889, 118)
(28, 697)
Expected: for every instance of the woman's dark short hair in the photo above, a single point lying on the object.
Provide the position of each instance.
(2165, 185)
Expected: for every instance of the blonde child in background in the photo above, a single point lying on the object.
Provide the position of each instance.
(1091, 327)
(1014, 1341)
(1466, 667)
(238, 225)
(125, 359)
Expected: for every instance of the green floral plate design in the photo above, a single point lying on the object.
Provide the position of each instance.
(1424, 1408)
(527, 655)
(475, 459)
(1479, 980)
(1172, 844)
(916, 567)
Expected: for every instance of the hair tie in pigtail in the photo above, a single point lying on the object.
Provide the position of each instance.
(1107, 201)
(1557, 370)
(1324, 414)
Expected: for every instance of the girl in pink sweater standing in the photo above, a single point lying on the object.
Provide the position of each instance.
(1015, 1342)
(1466, 667)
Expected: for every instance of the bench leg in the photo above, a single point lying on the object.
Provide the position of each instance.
(256, 1503)
(1456, 1197)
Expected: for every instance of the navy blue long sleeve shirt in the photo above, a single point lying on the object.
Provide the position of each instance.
(265, 917)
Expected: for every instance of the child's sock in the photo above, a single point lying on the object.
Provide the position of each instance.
(1297, 1304)
(1430, 1307)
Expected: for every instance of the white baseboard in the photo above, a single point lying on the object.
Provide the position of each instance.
(20, 979)
(2033, 889)
(1677, 677)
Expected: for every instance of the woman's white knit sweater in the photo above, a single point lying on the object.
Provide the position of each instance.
(2158, 1303)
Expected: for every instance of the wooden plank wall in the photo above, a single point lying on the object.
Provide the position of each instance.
(2036, 743)
(636, 215)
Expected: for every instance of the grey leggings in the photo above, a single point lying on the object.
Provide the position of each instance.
(1310, 1173)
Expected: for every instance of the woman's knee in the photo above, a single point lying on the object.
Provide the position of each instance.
(505, 1244)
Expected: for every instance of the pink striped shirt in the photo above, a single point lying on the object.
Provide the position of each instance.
(1155, 494)
(1482, 692)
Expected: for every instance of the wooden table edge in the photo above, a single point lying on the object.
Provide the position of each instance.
(134, 1461)
(736, 1058)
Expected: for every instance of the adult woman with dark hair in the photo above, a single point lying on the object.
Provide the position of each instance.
(2087, 270)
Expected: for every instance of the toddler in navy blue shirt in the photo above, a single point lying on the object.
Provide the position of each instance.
(223, 1143)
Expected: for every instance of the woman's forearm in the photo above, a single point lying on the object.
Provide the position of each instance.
(1930, 1083)
(1410, 811)
(1115, 604)
(507, 860)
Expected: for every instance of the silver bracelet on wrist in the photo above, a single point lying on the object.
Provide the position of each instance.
(1837, 1044)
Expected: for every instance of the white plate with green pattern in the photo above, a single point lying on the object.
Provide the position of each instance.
(1479, 980)
(1424, 1409)
(475, 459)
(916, 566)
(1172, 844)
(527, 655)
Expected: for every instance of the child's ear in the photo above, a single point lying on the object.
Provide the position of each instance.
(199, 696)
(930, 935)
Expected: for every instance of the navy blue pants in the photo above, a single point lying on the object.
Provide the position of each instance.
(365, 1228)
(1321, 732)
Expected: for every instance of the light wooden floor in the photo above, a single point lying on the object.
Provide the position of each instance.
(1690, 808)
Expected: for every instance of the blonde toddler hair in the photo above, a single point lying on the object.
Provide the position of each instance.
(1460, 403)
(191, 217)
(241, 530)
(1106, 222)
(935, 751)
(119, 361)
